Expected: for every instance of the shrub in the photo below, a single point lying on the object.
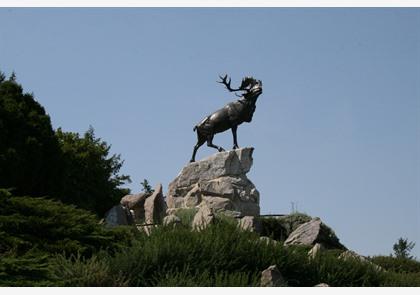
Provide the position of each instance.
(53, 227)
(395, 264)
(222, 255)
(79, 271)
(32, 230)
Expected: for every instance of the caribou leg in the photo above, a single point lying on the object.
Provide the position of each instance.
(235, 141)
(210, 143)
(200, 141)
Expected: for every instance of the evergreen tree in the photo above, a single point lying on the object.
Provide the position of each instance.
(91, 177)
(29, 150)
(402, 248)
(37, 161)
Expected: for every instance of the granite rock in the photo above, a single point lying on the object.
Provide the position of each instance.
(218, 181)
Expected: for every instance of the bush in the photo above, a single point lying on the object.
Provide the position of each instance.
(395, 264)
(82, 272)
(32, 230)
(223, 255)
(51, 226)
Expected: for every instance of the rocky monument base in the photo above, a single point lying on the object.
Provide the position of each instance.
(219, 182)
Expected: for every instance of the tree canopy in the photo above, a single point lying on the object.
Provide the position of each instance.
(36, 160)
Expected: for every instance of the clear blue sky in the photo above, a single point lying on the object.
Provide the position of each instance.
(335, 131)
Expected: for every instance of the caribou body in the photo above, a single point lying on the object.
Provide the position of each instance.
(230, 116)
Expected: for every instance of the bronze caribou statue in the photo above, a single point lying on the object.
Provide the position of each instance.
(231, 115)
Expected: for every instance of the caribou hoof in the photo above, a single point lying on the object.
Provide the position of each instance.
(235, 147)
(221, 149)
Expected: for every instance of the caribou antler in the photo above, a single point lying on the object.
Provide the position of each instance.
(227, 84)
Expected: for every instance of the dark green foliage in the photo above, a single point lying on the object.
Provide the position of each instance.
(29, 151)
(222, 255)
(50, 226)
(91, 178)
(33, 229)
(146, 188)
(186, 278)
(402, 265)
(186, 215)
(82, 272)
(36, 161)
(31, 269)
(402, 248)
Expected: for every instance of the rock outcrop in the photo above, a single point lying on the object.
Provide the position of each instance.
(118, 215)
(155, 207)
(250, 223)
(348, 255)
(312, 232)
(203, 218)
(315, 251)
(171, 220)
(271, 277)
(218, 181)
(136, 204)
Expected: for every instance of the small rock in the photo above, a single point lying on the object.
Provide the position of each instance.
(271, 277)
(268, 240)
(353, 255)
(203, 218)
(250, 223)
(146, 228)
(322, 285)
(315, 250)
(171, 220)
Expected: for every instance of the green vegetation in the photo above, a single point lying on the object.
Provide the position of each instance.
(220, 255)
(146, 188)
(29, 149)
(37, 161)
(400, 265)
(91, 177)
(47, 243)
(33, 230)
(402, 248)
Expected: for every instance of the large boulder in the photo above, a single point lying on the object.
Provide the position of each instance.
(118, 215)
(135, 203)
(219, 182)
(312, 232)
(155, 207)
